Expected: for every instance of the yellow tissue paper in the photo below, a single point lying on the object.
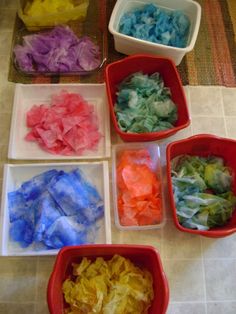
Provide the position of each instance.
(43, 13)
(116, 286)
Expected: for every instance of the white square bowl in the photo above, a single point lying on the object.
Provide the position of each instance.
(130, 45)
(15, 175)
(154, 152)
(27, 95)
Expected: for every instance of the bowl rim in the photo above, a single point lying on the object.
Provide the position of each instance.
(186, 49)
(151, 135)
(207, 233)
(108, 247)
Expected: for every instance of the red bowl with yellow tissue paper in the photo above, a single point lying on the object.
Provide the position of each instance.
(142, 256)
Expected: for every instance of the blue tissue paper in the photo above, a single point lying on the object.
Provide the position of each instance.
(46, 213)
(157, 25)
(22, 231)
(33, 188)
(57, 234)
(75, 196)
(55, 209)
(16, 203)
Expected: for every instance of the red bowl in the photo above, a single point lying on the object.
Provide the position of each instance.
(143, 256)
(203, 145)
(117, 71)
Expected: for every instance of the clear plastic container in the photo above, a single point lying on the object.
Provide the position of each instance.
(130, 45)
(61, 16)
(154, 152)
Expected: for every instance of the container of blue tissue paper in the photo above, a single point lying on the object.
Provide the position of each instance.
(160, 27)
(48, 206)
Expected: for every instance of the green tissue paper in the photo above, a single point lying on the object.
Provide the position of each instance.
(144, 104)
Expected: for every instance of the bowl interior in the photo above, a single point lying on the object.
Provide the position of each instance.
(204, 146)
(143, 257)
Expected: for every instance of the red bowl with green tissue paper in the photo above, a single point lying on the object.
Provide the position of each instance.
(204, 145)
(117, 71)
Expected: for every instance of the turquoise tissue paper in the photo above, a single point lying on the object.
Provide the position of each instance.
(156, 25)
(144, 104)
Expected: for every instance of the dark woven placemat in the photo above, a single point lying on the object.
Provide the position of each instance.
(212, 62)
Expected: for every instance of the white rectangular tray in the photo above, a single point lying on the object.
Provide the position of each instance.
(27, 95)
(15, 175)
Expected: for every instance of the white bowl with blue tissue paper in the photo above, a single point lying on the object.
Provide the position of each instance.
(48, 206)
(163, 37)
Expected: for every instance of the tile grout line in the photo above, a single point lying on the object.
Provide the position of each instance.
(224, 116)
(36, 286)
(189, 99)
(200, 302)
(203, 274)
(19, 302)
(208, 116)
(207, 258)
(190, 111)
(162, 243)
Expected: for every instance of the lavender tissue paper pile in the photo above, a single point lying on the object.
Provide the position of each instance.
(58, 50)
(55, 209)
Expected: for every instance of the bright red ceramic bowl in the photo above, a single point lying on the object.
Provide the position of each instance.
(204, 145)
(117, 71)
(143, 256)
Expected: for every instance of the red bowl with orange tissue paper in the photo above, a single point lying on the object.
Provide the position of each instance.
(145, 257)
(138, 199)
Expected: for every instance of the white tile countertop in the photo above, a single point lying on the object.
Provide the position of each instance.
(201, 271)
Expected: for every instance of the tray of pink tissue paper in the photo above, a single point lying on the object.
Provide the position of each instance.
(65, 121)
